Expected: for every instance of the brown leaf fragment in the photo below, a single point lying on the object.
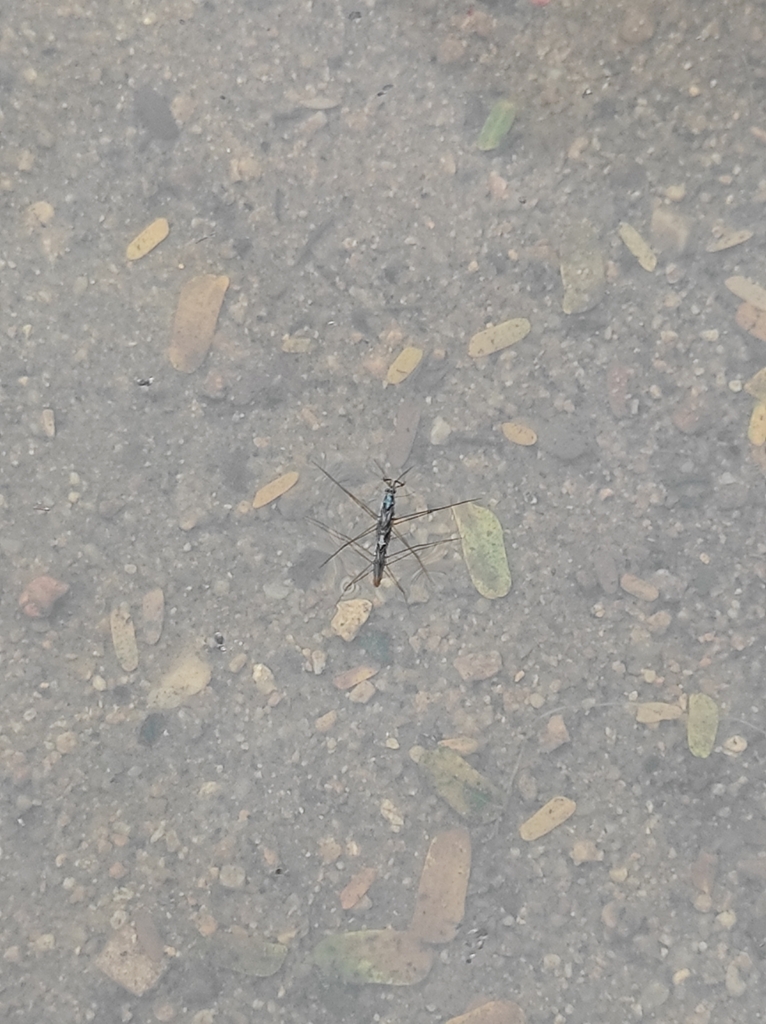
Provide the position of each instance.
(582, 269)
(152, 615)
(496, 1012)
(199, 304)
(748, 291)
(357, 887)
(752, 320)
(703, 872)
(756, 386)
(652, 712)
(354, 676)
(440, 903)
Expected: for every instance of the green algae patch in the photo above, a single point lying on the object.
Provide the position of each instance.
(384, 957)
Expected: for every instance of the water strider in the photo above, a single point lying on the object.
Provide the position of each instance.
(384, 527)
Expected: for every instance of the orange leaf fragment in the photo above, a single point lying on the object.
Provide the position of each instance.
(199, 304)
(271, 491)
(357, 887)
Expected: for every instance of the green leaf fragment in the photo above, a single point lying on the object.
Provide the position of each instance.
(483, 549)
(248, 954)
(497, 125)
(373, 958)
(467, 791)
(702, 724)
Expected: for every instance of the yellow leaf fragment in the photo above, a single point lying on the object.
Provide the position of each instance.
(349, 617)
(638, 247)
(519, 433)
(702, 724)
(199, 304)
(550, 816)
(496, 1012)
(404, 364)
(756, 430)
(440, 903)
(148, 239)
(483, 549)
(275, 489)
(654, 711)
(187, 677)
(496, 338)
(748, 291)
(728, 240)
(124, 637)
(756, 386)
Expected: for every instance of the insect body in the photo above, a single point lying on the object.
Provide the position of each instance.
(384, 528)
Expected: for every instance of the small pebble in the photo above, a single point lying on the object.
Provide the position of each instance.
(440, 431)
(39, 596)
(654, 995)
(475, 667)
(736, 986)
(232, 876)
(639, 588)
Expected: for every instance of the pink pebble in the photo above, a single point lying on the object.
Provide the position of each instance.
(39, 596)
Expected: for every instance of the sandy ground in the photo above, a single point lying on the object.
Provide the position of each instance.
(323, 157)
